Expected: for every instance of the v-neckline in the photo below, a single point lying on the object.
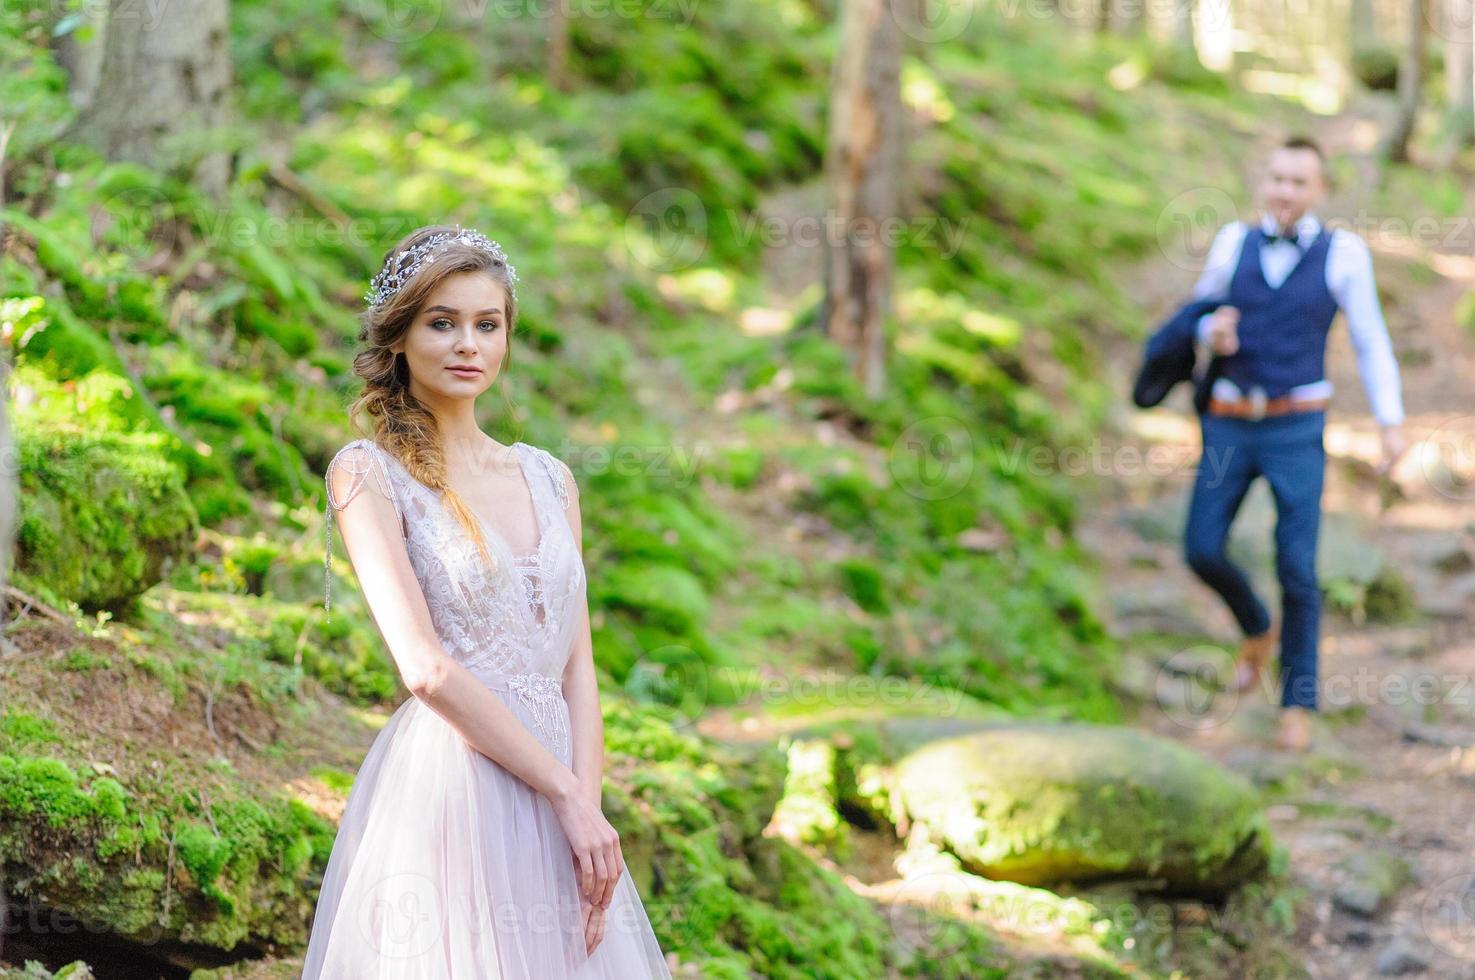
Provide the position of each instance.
(537, 549)
(1260, 262)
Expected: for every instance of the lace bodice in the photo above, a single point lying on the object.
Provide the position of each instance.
(515, 616)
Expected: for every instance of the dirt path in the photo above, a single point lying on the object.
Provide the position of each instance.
(1390, 780)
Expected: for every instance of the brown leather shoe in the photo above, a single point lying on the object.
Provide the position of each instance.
(1294, 732)
(1254, 655)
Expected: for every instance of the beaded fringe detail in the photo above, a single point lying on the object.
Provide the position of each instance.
(542, 695)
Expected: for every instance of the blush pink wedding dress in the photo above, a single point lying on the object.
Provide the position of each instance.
(447, 866)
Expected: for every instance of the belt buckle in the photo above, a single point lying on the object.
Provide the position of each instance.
(1257, 403)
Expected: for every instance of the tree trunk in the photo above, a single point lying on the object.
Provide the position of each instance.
(79, 53)
(9, 515)
(1410, 81)
(164, 84)
(862, 164)
(1182, 25)
(1364, 25)
(1459, 76)
(1127, 17)
(558, 27)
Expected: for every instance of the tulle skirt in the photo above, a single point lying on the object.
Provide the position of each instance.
(448, 867)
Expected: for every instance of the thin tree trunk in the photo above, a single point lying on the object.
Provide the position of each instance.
(1410, 81)
(862, 165)
(1459, 77)
(9, 515)
(165, 75)
(79, 52)
(558, 49)
(1182, 25)
(1364, 25)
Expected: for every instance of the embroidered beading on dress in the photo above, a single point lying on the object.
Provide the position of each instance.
(529, 569)
(555, 470)
(544, 696)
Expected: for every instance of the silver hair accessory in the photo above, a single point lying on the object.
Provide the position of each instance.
(401, 267)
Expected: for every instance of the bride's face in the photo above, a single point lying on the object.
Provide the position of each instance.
(456, 342)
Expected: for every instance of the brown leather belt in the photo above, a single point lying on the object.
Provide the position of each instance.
(1246, 408)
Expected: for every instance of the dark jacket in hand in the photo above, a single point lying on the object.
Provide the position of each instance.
(1169, 358)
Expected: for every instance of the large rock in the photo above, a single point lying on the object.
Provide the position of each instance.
(103, 515)
(1047, 803)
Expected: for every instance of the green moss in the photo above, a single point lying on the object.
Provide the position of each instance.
(864, 583)
(20, 727)
(108, 848)
(807, 813)
(1039, 804)
(102, 514)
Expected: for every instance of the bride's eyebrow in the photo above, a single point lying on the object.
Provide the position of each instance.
(447, 309)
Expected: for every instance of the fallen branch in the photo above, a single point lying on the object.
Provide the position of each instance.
(28, 602)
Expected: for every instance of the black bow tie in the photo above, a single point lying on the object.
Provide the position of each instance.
(1272, 237)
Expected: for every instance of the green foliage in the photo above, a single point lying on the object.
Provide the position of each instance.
(242, 853)
(103, 513)
(33, 87)
(1376, 66)
(208, 344)
(864, 583)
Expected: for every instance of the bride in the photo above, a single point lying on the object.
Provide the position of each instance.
(472, 844)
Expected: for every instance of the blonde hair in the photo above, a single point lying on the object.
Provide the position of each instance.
(402, 425)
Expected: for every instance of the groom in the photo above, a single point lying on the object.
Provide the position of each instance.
(1280, 283)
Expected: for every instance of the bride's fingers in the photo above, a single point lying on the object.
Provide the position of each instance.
(596, 921)
(607, 892)
(585, 863)
(601, 869)
(587, 913)
(620, 867)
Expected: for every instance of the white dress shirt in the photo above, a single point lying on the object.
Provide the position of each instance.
(1349, 278)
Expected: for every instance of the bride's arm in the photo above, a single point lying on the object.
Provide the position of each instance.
(581, 684)
(370, 525)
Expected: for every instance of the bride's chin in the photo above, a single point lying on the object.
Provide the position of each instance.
(462, 391)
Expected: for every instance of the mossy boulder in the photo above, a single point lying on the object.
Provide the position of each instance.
(113, 857)
(103, 515)
(1047, 803)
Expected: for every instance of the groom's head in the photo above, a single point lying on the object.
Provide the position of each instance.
(1295, 180)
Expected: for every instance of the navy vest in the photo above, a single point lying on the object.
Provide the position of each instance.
(1282, 331)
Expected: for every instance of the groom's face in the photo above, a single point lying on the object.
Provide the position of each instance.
(1292, 184)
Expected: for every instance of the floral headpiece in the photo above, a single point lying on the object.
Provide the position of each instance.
(401, 267)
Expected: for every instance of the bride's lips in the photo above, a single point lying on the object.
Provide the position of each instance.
(464, 371)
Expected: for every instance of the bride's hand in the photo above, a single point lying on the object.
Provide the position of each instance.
(593, 927)
(598, 860)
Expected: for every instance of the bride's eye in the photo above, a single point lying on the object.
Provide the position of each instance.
(489, 323)
(438, 321)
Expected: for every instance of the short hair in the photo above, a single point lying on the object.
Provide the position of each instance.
(1307, 143)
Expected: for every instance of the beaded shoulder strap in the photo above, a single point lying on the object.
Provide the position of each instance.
(555, 473)
(363, 459)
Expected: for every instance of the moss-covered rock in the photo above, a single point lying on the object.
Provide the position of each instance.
(102, 514)
(233, 872)
(1048, 803)
(1373, 878)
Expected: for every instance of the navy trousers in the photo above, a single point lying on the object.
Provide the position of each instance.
(1289, 452)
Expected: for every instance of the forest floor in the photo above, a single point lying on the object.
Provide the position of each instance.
(1388, 784)
(1377, 818)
